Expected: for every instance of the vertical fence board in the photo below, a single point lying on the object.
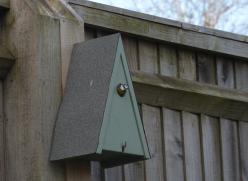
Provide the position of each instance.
(174, 165)
(230, 154)
(191, 133)
(206, 73)
(113, 174)
(242, 84)
(241, 68)
(152, 125)
(173, 145)
(192, 145)
(225, 74)
(206, 68)
(229, 135)
(148, 57)
(243, 135)
(96, 171)
(211, 148)
(130, 46)
(134, 172)
(168, 60)
(151, 116)
(187, 65)
(2, 136)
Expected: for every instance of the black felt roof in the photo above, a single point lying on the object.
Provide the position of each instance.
(81, 113)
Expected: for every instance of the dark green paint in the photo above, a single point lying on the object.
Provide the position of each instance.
(122, 129)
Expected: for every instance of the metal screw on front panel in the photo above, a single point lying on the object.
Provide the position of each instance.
(122, 89)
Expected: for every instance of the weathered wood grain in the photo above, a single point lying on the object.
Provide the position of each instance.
(32, 95)
(2, 123)
(2, 136)
(168, 60)
(174, 163)
(206, 73)
(148, 58)
(190, 122)
(192, 147)
(241, 70)
(134, 172)
(148, 61)
(32, 88)
(211, 148)
(172, 130)
(230, 150)
(228, 128)
(115, 173)
(152, 124)
(206, 68)
(158, 31)
(225, 72)
(243, 135)
(196, 97)
(160, 20)
(131, 51)
(186, 64)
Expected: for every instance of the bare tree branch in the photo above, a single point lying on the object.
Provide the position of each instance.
(207, 13)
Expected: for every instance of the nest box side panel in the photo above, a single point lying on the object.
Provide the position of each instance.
(81, 113)
(122, 129)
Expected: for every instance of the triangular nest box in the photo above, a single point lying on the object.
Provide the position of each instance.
(99, 117)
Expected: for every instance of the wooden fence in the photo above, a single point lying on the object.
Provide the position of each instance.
(191, 83)
(185, 146)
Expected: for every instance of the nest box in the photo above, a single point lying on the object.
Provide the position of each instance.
(99, 118)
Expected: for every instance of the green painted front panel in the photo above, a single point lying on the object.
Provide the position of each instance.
(122, 121)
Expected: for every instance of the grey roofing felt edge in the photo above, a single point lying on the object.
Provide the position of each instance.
(184, 26)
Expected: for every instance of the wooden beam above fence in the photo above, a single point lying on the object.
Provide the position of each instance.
(160, 29)
(157, 90)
